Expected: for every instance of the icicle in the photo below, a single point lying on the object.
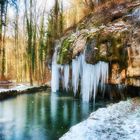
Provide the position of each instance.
(104, 76)
(66, 77)
(90, 76)
(76, 72)
(86, 87)
(55, 73)
(97, 74)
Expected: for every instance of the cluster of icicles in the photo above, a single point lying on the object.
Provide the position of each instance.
(86, 76)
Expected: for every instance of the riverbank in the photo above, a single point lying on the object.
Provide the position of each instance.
(118, 121)
(20, 89)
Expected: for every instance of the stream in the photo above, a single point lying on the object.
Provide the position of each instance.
(42, 116)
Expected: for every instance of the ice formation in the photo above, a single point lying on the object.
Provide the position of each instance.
(136, 14)
(66, 77)
(87, 76)
(92, 77)
(76, 73)
(55, 73)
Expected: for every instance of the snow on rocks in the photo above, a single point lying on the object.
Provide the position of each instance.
(120, 121)
(19, 87)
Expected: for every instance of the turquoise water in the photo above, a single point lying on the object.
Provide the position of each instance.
(41, 116)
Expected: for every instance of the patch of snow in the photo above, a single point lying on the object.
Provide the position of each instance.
(19, 87)
(5, 120)
(136, 14)
(117, 122)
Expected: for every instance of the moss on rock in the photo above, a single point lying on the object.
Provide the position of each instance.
(65, 52)
(107, 46)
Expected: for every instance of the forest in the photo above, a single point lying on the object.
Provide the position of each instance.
(28, 30)
(69, 69)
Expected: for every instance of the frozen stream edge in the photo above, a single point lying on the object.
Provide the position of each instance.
(119, 121)
(19, 87)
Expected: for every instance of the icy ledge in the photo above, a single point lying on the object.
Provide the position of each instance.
(119, 121)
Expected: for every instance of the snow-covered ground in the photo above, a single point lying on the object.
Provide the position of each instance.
(19, 87)
(119, 121)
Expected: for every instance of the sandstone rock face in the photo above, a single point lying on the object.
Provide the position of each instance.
(132, 75)
(79, 45)
(133, 70)
(115, 75)
(116, 41)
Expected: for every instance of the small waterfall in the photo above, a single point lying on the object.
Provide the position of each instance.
(89, 76)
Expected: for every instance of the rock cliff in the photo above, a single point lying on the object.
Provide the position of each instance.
(111, 33)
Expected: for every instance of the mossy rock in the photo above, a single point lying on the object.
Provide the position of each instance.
(108, 47)
(65, 52)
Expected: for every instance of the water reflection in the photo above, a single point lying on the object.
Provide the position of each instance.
(40, 116)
